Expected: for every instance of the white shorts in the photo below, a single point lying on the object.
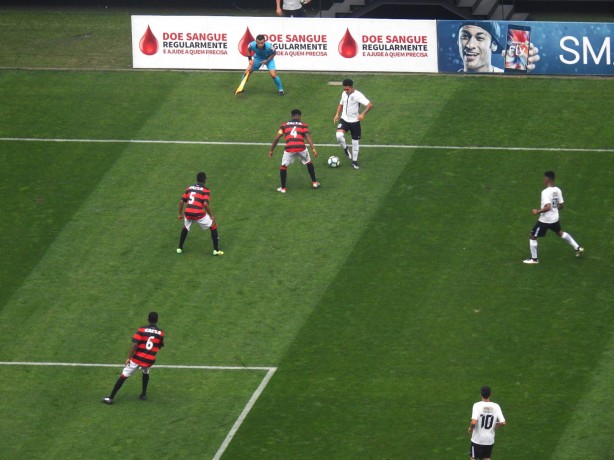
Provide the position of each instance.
(131, 368)
(289, 158)
(204, 222)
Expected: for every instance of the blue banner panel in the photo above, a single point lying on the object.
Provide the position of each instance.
(541, 48)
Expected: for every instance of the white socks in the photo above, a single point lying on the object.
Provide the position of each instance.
(567, 237)
(355, 150)
(533, 247)
(341, 140)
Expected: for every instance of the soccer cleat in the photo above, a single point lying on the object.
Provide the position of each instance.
(107, 400)
(179, 250)
(281, 93)
(315, 184)
(531, 261)
(143, 397)
(281, 189)
(579, 251)
(347, 153)
(355, 165)
(218, 253)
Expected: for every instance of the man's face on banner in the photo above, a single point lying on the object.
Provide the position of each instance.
(475, 47)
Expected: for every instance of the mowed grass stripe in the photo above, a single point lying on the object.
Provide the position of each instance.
(460, 310)
(199, 407)
(45, 104)
(261, 305)
(590, 429)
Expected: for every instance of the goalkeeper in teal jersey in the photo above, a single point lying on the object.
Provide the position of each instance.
(262, 52)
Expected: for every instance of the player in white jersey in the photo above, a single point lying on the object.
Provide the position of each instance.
(551, 202)
(486, 416)
(348, 116)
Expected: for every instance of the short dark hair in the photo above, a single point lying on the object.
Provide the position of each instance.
(492, 27)
(348, 82)
(201, 177)
(296, 112)
(485, 392)
(549, 175)
(260, 37)
(152, 317)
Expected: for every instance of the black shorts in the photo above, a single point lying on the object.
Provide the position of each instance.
(354, 128)
(480, 451)
(300, 13)
(541, 228)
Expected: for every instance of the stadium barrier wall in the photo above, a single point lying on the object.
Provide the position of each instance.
(217, 42)
(362, 45)
(564, 48)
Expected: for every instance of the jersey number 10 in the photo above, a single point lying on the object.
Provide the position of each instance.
(486, 421)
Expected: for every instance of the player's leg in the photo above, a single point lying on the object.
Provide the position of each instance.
(275, 77)
(206, 223)
(306, 160)
(567, 237)
(184, 234)
(215, 239)
(144, 383)
(472, 451)
(283, 177)
(253, 65)
(355, 131)
(342, 127)
(127, 372)
(536, 231)
(286, 160)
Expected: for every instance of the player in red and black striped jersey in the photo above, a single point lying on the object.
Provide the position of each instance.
(196, 201)
(295, 133)
(146, 342)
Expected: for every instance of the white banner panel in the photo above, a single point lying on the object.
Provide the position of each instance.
(220, 42)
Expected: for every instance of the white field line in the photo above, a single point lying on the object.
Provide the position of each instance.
(246, 410)
(378, 146)
(233, 431)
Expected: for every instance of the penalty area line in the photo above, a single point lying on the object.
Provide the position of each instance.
(377, 146)
(157, 366)
(270, 371)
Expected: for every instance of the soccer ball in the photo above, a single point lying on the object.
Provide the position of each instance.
(334, 162)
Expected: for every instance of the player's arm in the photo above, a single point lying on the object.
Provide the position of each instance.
(181, 202)
(547, 207)
(368, 107)
(132, 351)
(272, 53)
(472, 425)
(500, 424)
(275, 141)
(207, 209)
(313, 147)
(278, 10)
(339, 109)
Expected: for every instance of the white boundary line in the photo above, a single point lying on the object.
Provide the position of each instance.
(379, 146)
(233, 431)
(246, 409)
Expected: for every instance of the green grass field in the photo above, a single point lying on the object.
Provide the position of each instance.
(384, 300)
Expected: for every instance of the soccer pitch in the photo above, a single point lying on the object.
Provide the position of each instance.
(354, 321)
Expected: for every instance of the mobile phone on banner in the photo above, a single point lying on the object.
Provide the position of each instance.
(517, 48)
